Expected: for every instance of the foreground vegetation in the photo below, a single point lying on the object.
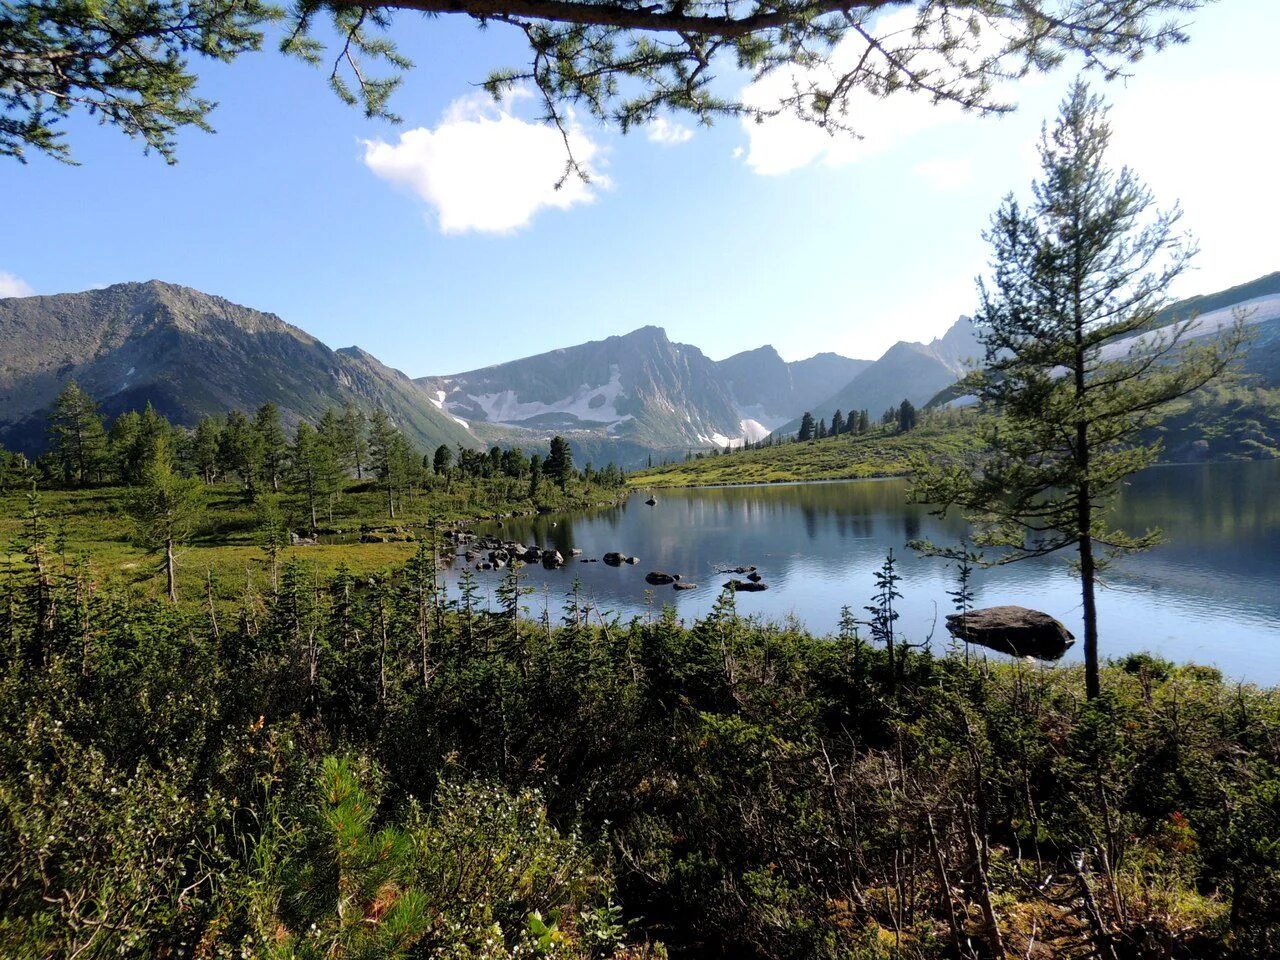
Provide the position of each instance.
(366, 767)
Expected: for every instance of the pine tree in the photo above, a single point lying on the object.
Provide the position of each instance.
(134, 439)
(239, 452)
(272, 444)
(166, 509)
(442, 460)
(837, 424)
(1080, 277)
(535, 475)
(204, 448)
(355, 446)
(806, 427)
(906, 416)
(559, 463)
(313, 470)
(390, 457)
(78, 437)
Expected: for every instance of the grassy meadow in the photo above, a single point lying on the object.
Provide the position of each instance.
(878, 453)
(230, 543)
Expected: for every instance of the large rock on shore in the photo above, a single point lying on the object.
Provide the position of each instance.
(1017, 631)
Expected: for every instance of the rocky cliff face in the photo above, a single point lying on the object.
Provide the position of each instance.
(770, 391)
(640, 388)
(189, 354)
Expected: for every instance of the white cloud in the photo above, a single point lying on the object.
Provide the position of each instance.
(786, 142)
(946, 174)
(14, 286)
(484, 169)
(667, 132)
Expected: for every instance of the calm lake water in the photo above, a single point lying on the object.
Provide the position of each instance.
(1210, 594)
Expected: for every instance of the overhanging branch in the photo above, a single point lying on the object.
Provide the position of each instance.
(658, 18)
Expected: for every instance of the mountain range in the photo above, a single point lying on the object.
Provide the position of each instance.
(642, 392)
(623, 399)
(189, 354)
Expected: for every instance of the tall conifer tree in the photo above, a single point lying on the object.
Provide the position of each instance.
(1072, 365)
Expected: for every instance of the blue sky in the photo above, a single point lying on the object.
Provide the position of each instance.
(432, 244)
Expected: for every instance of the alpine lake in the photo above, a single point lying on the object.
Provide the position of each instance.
(1209, 593)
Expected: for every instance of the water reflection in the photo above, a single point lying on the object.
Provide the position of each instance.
(1209, 594)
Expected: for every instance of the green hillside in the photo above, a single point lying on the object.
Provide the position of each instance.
(879, 453)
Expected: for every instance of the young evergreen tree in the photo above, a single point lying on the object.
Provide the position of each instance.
(864, 421)
(272, 443)
(806, 427)
(78, 437)
(535, 475)
(166, 509)
(1072, 366)
(837, 423)
(821, 431)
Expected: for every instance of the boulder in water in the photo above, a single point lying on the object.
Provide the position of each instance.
(1017, 631)
(746, 586)
(658, 578)
(614, 559)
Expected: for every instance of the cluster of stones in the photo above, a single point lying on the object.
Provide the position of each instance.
(495, 553)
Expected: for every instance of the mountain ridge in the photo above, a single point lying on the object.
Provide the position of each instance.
(189, 354)
(908, 370)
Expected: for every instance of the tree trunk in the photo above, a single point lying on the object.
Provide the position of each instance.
(1092, 685)
(170, 581)
(1084, 506)
(391, 503)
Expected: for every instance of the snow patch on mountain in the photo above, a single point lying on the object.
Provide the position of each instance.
(596, 404)
(1257, 310)
(755, 413)
(753, 430)
(720, 440)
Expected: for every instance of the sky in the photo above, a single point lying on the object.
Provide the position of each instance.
(441, 245)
